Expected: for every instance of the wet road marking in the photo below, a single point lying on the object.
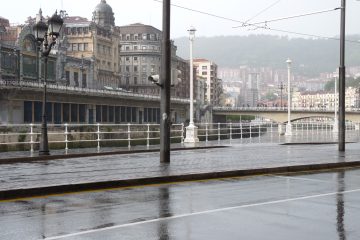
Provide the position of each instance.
(198, 213)
(303, 179)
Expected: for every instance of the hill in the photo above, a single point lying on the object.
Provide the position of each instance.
(310, 56)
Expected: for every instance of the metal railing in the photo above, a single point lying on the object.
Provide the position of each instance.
(70, 136)
(114, 92)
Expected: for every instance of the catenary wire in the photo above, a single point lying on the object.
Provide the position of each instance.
(257, 26)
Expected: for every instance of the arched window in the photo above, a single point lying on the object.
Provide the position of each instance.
(28, 44)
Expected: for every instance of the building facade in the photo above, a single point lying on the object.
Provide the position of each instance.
(208, 70)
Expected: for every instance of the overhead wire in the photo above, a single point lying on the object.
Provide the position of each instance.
(259, 26)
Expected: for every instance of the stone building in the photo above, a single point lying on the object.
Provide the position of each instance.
(98, 42)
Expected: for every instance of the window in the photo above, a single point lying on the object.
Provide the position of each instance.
(76, 79)
(127, 69)
(128, 114)
(135, 80)
(75, 47)
(117, 114)
(86, 30)
(74, 113)
(135, 68)
(111, 114)
(104, 113)
(28, 112)
(134, 114)
(135, 58)
(136, 48)
(86, 46)
(67, 76)
(57, 113)
(82, 113)
(37, 111)
(123, 114)
(84, 84)
(127, 59)
(81, 46)
(144, 68)
(98, 113)
(127, 48)
(66, 112)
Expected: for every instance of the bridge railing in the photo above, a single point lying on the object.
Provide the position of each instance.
(71, 136)
(282, 109)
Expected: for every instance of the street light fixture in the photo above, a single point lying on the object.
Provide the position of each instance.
(42, 32)
(191, 130)
(288, 125)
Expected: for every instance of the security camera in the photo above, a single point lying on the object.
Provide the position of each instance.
(155, 79)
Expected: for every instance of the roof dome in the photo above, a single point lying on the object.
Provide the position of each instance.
(104, 15)
(103, 7)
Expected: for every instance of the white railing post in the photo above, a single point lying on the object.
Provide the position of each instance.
(218, 132)
(31, 137)
(250, 130)
(182, 133)
(98, 136)
(241, 130)
(259, 130)
(206, 132)
(129, 136)
(66, 137)
(230, 130)
(148, 136)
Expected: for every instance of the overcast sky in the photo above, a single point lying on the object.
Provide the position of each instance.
(150, 12)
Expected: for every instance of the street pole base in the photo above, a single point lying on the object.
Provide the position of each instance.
(288, 130)
(191, 134)
(44, 153)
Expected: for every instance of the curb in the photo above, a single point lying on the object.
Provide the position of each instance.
(61, 189)
(94, 154)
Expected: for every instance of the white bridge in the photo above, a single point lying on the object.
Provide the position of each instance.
(280, 114)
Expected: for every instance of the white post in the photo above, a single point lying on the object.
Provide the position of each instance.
(148, 136)
(206, 132)
(182, 133)
(31, 138)
(129, 136)
(191, 130)
(98, 137)
(219, 132)
(230, 130)
(288, 125)
(66, 137)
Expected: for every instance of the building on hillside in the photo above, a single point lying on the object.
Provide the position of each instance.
(325, 100)
(208, 70)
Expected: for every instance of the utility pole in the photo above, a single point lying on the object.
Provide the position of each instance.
(165, 78)
(342, 80)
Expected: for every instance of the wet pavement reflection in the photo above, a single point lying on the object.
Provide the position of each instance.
(302, 206)
(340, 205)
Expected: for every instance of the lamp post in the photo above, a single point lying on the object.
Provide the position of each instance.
(288, 125)
(42, 32)
(191, 130)
(341, 136)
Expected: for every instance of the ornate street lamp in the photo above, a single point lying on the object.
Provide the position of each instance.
(42, 32)
(191, 130)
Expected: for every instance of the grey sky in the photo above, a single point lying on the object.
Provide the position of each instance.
(149, 12)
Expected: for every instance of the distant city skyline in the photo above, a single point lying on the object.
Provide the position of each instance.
(150, 12)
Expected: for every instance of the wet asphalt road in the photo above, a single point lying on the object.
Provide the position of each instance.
(309, 206)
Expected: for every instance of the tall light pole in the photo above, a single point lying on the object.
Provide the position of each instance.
(191, 130)
(288, 125)
(342, 80)
(42, 32)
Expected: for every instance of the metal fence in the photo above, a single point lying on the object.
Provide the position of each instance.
(66, 136)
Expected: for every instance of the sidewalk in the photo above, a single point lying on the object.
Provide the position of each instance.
(86, 173)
